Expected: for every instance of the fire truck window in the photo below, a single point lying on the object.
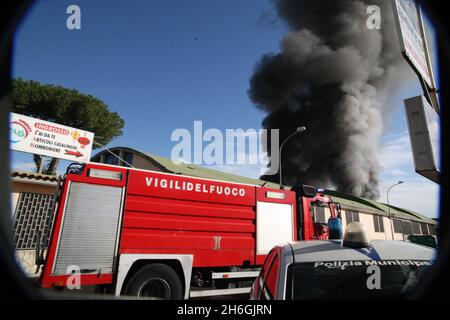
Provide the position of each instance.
(319, 214)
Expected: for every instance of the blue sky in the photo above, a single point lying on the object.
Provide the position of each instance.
(163, 64)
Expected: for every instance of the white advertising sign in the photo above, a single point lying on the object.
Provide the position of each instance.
(49, 139)
(424, 132)
(411, 41)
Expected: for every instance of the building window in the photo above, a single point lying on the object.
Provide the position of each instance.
(407, 228)
(378, 223)
(128, 159)
(431, 229)
(416, 228)
(424, 228)
(397, 226)
(351, 216)
(112, 158)
(319, 214)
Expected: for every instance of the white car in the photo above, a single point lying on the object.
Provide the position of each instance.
(335, 269)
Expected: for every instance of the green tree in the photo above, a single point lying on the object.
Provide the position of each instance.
(68, 107)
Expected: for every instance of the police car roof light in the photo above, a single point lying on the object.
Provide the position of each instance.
(356, 236)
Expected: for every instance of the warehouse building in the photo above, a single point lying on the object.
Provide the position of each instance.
(381, 221)
(377, 217)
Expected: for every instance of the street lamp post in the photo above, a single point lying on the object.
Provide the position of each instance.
(389, 206)
(298, 130)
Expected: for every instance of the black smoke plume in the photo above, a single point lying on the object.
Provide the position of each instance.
(333, 75)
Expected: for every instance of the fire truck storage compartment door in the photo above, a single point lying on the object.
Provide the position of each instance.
(89, 229)
(273, 225)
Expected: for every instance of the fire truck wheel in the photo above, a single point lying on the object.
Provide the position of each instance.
(157, 281)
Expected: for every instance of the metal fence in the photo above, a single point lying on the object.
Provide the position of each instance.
(34, 213)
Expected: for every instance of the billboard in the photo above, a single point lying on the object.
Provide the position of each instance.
(49, 139)
(406, 13)
(424, 133)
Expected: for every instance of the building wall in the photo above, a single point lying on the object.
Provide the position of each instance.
(367, 220)
(22, 186)
(397, 235)
(26, 258)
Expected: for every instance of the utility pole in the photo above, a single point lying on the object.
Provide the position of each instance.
(389, 207)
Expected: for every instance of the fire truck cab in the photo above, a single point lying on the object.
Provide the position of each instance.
(145, 233)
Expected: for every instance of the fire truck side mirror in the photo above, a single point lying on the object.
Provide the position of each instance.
(75, 168)
(305, 190)
(337, 208)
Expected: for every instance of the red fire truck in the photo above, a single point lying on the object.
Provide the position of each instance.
(144, 233)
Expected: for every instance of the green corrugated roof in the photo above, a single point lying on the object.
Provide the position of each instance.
(202, 172)
(346, 201)
(373, 206)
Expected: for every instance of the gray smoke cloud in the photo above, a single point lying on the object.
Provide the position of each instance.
(333, 75)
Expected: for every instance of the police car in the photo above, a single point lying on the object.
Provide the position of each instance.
(354, 268)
